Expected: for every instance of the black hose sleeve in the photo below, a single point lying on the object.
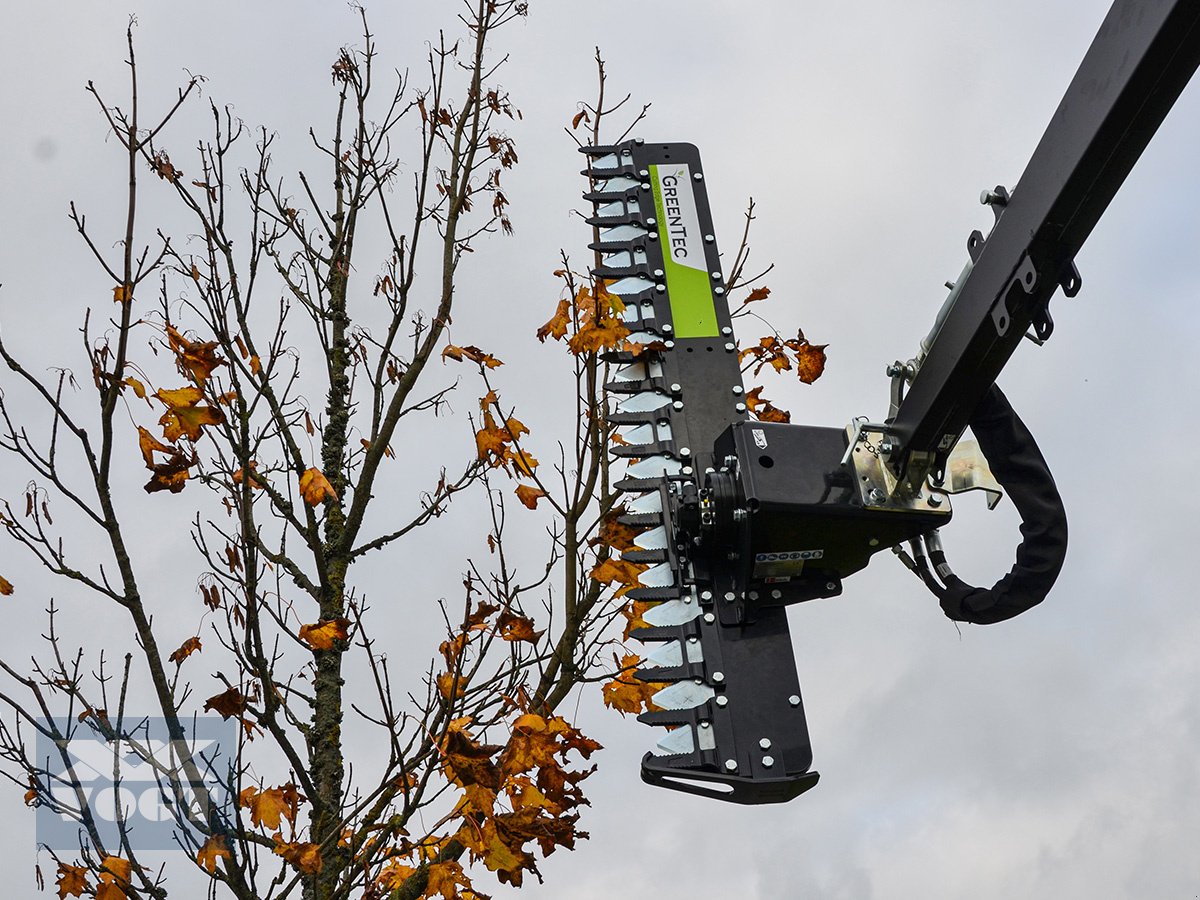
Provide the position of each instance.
(1018, 465)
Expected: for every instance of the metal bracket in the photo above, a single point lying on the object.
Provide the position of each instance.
(967, 470)
(878, 487)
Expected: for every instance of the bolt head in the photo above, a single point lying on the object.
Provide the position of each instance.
(776, 594)
(722, 701)
(726, 331)
(768, 761)
(738, 390)
(687, 470)
(685, 451)
(676, 388)
(831, 585)
(731, 765)
(709, 618)
(706, 595)
(741, 407)
(670, 345)
(698, 176)
(678, 404)
(708, 239)
(716, 275)
(645, 173)
(718, 677)
(794, 700)
(652, 221)
(718, 291)
(706, 725)
(765, 744)
(754, 595)
(730, 596)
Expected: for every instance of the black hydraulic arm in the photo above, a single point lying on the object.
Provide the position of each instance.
(1139, 62)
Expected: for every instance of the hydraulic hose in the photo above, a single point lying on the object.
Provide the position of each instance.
(1018, 465)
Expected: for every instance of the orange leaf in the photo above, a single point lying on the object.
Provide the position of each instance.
(305, 857)
(72, 881)
(322, 635)
(138, 387)
(618, 571)
(446, 878)
(529, 495)
(810, 361)
(183, 416)
(514, 627)
(122, 293)
(627, 694)
(255, 364)
(6, 587)
(269, 807)
(149, 443)
(557, 326)
(214, 848)
(315, 487)
(759, 293)
(186, 649)
(228, 704)
(194, 358)
(474, 354)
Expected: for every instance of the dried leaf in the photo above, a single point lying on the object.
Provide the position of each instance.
(184, 417)
(228, 704)
(627, 694)
(72, 881)
(196, 359)
(122, 293)
(186, 649)
(138, 388)
(810, 361)
(759, 293)
(6, 587)
(529, 495)
(557, 326)
(304, 856)
(322, 635)
(315, 487)
(268, 808)
(474, 354)
(212, 850)
(514, 627)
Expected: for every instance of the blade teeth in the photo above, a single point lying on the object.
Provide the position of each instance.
(672, 612)
(633, 284)
(622, 258)
(683, 695)
(659, 576)
(646, 401)
(669, 655)
(677, 742)
(655, 467)
(659, 594)
(650, 502)
(645, 556)
(615, 184)
(654, 539)
(624, 232)
(640, 434)
(611, 209)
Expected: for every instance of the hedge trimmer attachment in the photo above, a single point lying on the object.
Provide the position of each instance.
(741, 518)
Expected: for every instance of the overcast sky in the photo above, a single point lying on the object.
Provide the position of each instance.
(1051, 756)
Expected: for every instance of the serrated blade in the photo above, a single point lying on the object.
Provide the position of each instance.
(658, 576)
(676, 742)
(649, 502)
(667, 656)
(671, 612)
(684, 695)
(654, 467)
(634, 284)
(646, 401)
(621, 233)
(654, 539)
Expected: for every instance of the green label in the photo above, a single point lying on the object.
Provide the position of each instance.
(689, 286)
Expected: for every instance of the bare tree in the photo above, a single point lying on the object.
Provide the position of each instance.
(476, 765)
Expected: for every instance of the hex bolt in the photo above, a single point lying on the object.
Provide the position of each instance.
(653, 235)
(718, 677)
(708, 239)
(658, 273)
(722, 701)
(678, 404)
(730, 596)
(776, 594)
(727, 331)
(669, 345)
(831, 585)
(794, 700)
(731, 765)
(716, 275)
(666, 328)
(676, 388)
(741, 407)
(652, 221)
(645, 173)
(718, 290)
(738, 390)
(698, 177)
(706, 595)
(730, 347)
(685, 451)
(709, 618)
(768, 761)
(687, 470)
(754, 595)
(935, 500)
(645, 185)
(765, 743)
(661, 288)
